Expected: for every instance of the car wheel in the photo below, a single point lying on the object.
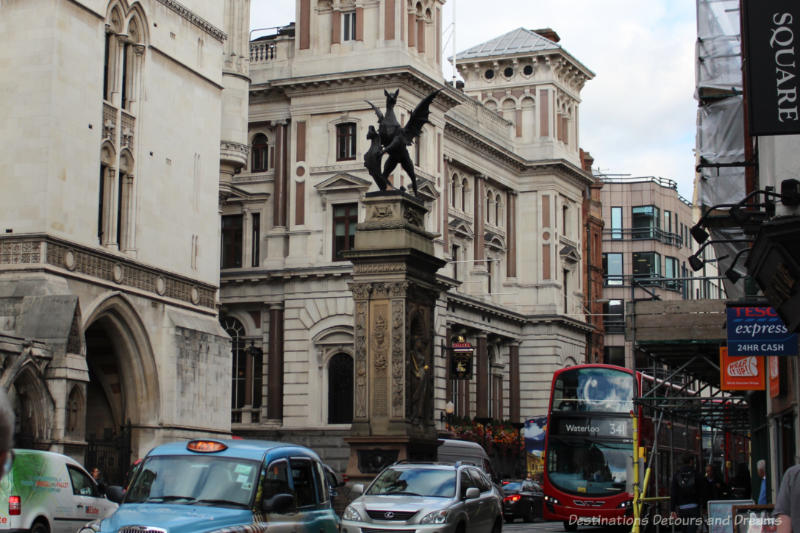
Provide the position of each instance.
(570, 527)
(40, 526)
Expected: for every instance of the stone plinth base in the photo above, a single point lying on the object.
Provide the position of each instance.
(369, 455)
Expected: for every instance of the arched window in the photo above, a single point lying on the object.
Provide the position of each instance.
(340, 389)
(260, 149)
(489, 207)
(497, 211)
(246, 375)
(453, 189)
(464, 194)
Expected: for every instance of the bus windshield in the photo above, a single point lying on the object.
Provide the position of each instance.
(588, 468)
(593, 389)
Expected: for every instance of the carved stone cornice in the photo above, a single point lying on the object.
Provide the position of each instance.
(103, 266)
(195, 19)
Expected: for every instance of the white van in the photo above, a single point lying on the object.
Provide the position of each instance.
(47, 492)
(454, 450)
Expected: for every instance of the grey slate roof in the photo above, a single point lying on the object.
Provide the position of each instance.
(519, 41)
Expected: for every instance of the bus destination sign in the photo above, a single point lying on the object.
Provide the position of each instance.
(592, 427)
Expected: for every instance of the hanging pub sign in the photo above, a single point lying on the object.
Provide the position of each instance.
(740, 373)
(758, 331)
(461, 360)
(771, 30)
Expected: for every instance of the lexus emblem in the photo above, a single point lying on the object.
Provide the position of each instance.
(388, 515)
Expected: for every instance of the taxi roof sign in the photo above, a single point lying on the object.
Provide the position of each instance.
(206, 446)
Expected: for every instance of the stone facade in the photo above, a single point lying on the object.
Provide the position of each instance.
(503, 185)
(109, 264)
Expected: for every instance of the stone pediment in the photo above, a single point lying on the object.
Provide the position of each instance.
(343, 182)
(460, 228)
(495, 240)
(427, 190)
(569, 254)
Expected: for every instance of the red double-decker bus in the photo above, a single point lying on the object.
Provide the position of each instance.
(589, 446)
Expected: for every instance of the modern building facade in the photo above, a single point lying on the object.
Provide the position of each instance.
(498, 167)
(646, 248)
(116, 113)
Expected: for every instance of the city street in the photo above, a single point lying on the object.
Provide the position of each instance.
(539, 526)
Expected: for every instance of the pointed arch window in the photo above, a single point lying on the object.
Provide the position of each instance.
(260, 151)
(340, 389)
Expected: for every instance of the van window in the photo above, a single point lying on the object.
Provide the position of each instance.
(81, 483)
(303, 479)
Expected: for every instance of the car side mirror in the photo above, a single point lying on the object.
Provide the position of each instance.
(472, 493)
(358, 488)
(280, 503)
(115, 493)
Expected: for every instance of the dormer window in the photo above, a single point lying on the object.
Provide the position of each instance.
(349, 26)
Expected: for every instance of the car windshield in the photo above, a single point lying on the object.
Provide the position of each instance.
(589, 468)
(195, 480)
(435, 482)
(512, 486)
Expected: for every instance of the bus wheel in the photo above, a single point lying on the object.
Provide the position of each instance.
(570, 527)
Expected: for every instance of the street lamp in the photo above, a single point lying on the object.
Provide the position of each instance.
(446, 416)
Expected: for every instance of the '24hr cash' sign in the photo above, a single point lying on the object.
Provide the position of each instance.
(758, 331)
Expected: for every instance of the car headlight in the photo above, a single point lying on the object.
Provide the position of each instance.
(436, 517)
(351, 514)
(91, 527)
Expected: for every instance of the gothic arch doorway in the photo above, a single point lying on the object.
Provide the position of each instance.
(123, 386)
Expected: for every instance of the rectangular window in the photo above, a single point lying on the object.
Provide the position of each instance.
(612, 269)
(345, 218)
(616, 222)
(667, 221)
(349, 26)
(566, 291)
(232, 234)
(645, 222)
(455, 254)
(256, 239)
(646, 265)
(614, 355)
(345, 142)
(303, 480)
(671, 271)
(614, 316)
(489, 275)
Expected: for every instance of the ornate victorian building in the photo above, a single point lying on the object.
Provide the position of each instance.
(119, 117)
(499, 170)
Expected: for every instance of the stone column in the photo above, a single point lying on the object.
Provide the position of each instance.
(394, 288)
(482, 383)
(275, 376)
(513, 376)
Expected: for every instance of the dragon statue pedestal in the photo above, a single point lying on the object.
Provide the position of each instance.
(394, 289)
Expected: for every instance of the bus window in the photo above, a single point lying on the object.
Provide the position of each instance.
(595, 390)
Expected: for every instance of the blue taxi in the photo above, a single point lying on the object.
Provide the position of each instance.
(225, 486)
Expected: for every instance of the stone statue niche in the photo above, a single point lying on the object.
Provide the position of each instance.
(419, 369)
(391, 138)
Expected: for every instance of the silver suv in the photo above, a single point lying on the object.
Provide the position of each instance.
(426, 497)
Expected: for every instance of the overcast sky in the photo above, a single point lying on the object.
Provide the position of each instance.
(638, 114)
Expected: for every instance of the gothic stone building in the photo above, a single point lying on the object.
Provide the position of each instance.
(118, 117)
